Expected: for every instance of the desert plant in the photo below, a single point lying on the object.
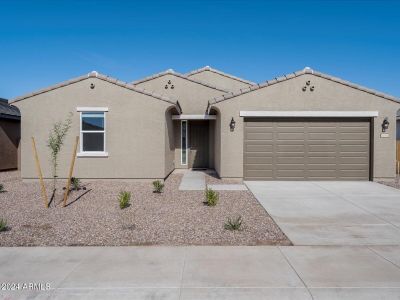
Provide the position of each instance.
(1, 188)
(211, 197)
(234, 224)
(3, 225)
(76, 183)
(158, 186)
(124, 199)
(55, 141)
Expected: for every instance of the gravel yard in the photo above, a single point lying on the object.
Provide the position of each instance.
(393, 183)
(93, 216)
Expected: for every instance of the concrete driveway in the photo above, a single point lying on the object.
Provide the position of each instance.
(332, 213)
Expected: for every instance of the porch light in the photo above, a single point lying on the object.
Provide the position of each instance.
(232, 124)
(385, 125)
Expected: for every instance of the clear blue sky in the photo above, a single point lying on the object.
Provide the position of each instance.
(45, 42)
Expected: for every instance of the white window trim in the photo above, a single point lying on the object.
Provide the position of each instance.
(187, 135)
(92, 153)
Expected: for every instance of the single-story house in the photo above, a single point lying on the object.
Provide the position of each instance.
(302, 126)
(10, 132)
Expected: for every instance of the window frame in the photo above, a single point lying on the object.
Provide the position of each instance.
(186, 146)
(81, 111)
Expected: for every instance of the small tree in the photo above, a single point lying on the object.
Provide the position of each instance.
(55, 141)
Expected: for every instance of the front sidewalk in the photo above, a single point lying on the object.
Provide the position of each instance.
(262, 272)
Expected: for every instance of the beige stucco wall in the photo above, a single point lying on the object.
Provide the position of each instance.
(193, 97)
(288, 95)
(135, 131)
(169, 142)
(220, 80)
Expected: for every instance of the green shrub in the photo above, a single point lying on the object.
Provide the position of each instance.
(1, 188)
(3, 225)
(124, 199)
(158, 186)
(76, 183)
(55, 142)
(234, 224)
(211, 197)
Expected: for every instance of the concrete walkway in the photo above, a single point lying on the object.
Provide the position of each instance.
(332, 213)
(308, 272)
(193, 181)
(227, 187)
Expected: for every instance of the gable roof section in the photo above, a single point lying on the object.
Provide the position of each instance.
(97, 75)
(172, 72)
(8, 111)
(208, 68)
(300, 73)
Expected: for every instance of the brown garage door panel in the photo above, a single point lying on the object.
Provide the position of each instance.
(310, 149)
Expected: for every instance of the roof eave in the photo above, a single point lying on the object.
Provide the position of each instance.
(101, 77)
(301, 73)
(208, 68)
(172, 72)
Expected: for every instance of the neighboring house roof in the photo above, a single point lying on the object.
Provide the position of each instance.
(208, 68)
(172, 72)
(297, 74)
(97, 75)
(8, 111)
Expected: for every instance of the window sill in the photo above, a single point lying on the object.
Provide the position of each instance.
(92, 154)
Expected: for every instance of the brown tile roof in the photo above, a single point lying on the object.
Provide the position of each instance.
(172, 72)
(94, 74)
(297, 74)
(208, 68)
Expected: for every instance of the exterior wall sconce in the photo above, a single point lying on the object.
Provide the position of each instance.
(92, 86)
(385, 125)
(232, 124)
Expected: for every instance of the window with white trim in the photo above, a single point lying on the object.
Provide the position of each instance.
(93, 135)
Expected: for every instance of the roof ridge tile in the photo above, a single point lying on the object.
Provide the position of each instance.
(307, 70)
(100, 76)
(208, 68)
(172, 72)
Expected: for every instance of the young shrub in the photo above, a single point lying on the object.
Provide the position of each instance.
(55, 142)
(3, 225)
(76, 183)
(158, 186)
(212, 197)
(124, 199)
(2, 188)
(234, 224)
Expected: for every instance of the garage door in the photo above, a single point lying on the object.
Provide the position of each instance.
(304, 149)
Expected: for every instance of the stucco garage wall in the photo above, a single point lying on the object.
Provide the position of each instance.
(135, 131)
(288, 95)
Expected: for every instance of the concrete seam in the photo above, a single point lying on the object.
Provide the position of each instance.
(183, 270)
(294, 270)
(371, 249)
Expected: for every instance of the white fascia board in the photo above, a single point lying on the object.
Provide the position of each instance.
(92, 109)
(194, 117)
(311, 114)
